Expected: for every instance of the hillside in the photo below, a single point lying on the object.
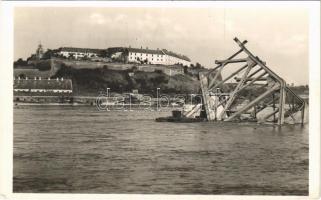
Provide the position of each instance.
(91, 81)
(89, 77)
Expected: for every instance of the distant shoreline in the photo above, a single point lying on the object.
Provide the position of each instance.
(109, 106)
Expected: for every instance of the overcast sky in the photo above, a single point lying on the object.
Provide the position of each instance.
(278, 36)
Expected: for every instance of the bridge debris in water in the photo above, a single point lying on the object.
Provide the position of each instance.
(250, 92)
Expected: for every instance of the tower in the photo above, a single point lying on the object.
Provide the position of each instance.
(39, 52)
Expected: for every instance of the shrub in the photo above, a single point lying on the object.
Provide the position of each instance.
(43, 66)
(158, 71)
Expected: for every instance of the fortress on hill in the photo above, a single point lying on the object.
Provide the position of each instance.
(128, 55)
(37, 75)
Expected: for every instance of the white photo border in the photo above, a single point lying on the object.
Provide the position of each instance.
(6, 88)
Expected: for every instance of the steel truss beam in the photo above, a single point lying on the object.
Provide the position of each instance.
(231, 109)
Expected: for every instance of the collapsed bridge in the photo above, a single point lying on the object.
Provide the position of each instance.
(252, 92)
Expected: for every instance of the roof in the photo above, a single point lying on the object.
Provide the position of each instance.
(116, 49)
(81, 50)
(170, 53)
(129, 49)
(149, 51)
(65, 84)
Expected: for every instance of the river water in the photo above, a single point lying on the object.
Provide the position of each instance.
(69, 149)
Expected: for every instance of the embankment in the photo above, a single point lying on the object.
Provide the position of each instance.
(89, 82)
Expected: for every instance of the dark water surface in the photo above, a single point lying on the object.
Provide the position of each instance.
(81, 150)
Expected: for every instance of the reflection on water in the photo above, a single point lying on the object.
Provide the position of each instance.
(82, 150)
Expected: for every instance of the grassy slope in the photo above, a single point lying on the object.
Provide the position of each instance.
(91, 81)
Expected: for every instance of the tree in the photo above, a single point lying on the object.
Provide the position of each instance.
(48, 54)
(43, 66)
(198, 66)
(185, 69)
(102, 53)
(71, 56)
(85, 57)
(32, 57)
(146, 61)
(20, 61)
(134, 69)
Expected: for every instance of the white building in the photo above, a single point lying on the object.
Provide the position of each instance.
(172, 58)
(132, 55)
(78, 52)
(148, 56)
(45, 86)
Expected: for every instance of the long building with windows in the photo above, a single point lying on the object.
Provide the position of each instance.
(79, 52)
(38, 86)
(128, 55)
(148, 56)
